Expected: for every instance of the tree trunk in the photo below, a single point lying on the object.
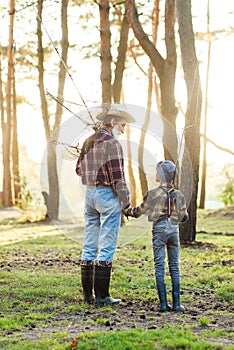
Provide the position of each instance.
(155, 25)
(120, 64)
(15, 149)
(51, 157)
(165, 69)
(7, 177)
(1, 91)
(62, 69)
(44, 107)
(193, 114)
(52, 198)
(203, 177)
(117, 90)
(105, 51)
(130, 170)
(2, 118)
(167, 85)
(142, 175)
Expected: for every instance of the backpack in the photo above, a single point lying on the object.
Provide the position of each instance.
(170, 198)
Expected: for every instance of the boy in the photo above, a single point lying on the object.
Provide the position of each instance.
(165, 207)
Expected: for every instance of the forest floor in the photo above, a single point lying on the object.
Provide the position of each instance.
(207, 308)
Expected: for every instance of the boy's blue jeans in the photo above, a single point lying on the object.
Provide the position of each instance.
(102, 222)
(165, 236)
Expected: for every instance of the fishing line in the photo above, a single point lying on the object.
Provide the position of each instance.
(65, 66)
(68, 109)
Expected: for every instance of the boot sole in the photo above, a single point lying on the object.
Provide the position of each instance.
(106, 302)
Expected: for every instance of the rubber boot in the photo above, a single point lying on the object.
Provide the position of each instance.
(176, 298)
(101, 286)
(162, 294)
(87, 280)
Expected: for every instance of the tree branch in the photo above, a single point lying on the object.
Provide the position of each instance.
(147, 45)
(218, 146)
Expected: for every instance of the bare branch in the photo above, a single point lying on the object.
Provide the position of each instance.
(227, 150)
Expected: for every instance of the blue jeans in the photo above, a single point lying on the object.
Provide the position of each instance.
(102, 222)
(165, 235)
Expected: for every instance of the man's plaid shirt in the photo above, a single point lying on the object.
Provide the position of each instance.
(103, 164)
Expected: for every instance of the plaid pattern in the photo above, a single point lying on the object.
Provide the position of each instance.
(103, 164)
(155, 205)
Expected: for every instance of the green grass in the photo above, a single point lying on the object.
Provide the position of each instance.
(37, 292)
(204, 321)
(55, 341)
(215, 221)
(166, 338)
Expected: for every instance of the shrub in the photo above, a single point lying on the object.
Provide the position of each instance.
(227, 195)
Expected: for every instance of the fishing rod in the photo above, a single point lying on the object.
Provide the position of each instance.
(66, 68)
(68, 109)
(68, 147)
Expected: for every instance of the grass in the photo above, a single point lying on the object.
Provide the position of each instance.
(204, 321)
(166, 338)
(40, 289)
(216, 221)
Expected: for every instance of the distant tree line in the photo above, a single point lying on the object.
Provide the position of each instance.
(134, 39)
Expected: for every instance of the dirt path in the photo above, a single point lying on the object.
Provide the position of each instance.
(11, 234)
(9, 213)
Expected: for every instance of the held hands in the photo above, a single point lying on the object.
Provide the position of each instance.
(128, 212)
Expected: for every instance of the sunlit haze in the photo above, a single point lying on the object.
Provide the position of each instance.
(86, 75)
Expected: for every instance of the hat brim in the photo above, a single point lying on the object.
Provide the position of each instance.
(128, 118)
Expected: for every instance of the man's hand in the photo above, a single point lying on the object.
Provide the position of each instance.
(125, 212)
(128, 212)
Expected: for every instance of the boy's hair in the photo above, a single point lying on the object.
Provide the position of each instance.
(167, 171)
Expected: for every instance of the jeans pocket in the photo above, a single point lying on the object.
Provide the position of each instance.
(107, 200)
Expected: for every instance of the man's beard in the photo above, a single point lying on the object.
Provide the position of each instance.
(116, 132)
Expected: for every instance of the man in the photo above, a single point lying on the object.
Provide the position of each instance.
(101, 167)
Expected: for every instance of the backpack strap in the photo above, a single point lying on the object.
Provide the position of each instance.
(169, 199)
